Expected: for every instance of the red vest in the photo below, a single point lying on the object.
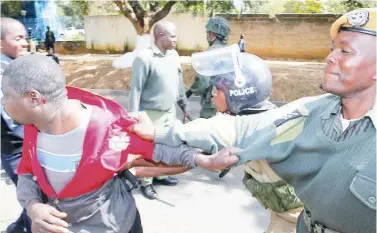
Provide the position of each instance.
(105, 148)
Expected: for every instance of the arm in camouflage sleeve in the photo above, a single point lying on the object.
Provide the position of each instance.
(222, 130)
(210, 135)
(200, 84)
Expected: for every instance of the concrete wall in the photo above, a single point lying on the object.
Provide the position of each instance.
(112, 33)
(67, 47)
(299, 36)
(304, 36)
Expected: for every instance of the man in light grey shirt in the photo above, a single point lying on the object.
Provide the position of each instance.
(157, 86)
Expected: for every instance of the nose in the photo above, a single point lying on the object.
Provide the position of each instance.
(24, 43)
(331, 58)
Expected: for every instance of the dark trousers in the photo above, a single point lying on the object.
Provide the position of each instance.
(50, 45)
(10, 163)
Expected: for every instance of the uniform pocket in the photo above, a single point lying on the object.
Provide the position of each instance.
(364, 188)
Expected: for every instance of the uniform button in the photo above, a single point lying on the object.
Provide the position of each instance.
(372, 200)
(56, 201)
(35, 178)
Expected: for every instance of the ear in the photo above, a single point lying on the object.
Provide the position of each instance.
(35, 98)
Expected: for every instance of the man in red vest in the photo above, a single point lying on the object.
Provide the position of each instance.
(75, 144)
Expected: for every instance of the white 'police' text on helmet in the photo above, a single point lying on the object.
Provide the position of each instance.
(226, 67)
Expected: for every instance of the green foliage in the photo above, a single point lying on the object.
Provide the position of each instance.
(209, 7)
(74, 8)
(307, 6)
(11, 9)
(103, 7)
(342, 6)
(253, 6)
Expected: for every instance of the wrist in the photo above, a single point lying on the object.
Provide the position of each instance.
(30, 205)
(202, 160)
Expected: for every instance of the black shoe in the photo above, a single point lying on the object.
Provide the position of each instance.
(148, 192)
(13, 228)
(169, 181)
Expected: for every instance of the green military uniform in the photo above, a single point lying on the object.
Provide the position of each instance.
(330, 161)
(332, 171)
(201, 86)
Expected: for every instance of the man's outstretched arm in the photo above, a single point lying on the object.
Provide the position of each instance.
(209, 135)
(171, 159)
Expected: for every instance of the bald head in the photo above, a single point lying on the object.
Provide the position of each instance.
(162, 28)
(35, 72)
(13, 38)
(8, 24)
(165, 35)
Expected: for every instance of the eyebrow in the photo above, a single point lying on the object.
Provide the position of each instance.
(342, 42)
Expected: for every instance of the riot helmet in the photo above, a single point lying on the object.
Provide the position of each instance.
(219, 26)
(244, 78)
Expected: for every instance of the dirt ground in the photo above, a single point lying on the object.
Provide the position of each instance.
(291, 80)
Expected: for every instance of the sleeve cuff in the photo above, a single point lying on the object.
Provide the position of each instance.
(160, 134)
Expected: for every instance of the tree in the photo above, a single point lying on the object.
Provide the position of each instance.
(253, 6)
(306, 6)
(74, 8)
(11, 9)
(144, 14)
(342, 6)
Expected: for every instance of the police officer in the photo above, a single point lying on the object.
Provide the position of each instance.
(263, 183)
(217, 37)
(324, 146)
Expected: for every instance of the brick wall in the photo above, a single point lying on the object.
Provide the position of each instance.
(305, 36)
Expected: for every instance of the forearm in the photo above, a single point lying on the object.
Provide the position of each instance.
(134, 101)
(182, 155)
(200, 84)
(28, 191)
(142, 172)
(206, 134)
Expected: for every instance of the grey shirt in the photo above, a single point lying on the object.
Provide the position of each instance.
(157, 82)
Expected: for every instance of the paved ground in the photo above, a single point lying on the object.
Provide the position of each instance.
(201, 203)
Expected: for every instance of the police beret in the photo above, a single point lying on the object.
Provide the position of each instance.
(359, 20)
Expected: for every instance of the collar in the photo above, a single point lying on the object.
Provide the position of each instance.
(5, 59)
(217, 41)
(335, 107)
(372, 114)
(157, 51)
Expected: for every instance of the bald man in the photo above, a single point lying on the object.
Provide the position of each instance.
(156, 87)
(13, 45)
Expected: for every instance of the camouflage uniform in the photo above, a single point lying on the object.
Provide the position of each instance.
(201, 86)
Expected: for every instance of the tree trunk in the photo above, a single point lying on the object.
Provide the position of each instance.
(143, 20)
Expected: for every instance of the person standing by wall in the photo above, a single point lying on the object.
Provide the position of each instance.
(156, 87)
(50, 41)
(217, 37)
